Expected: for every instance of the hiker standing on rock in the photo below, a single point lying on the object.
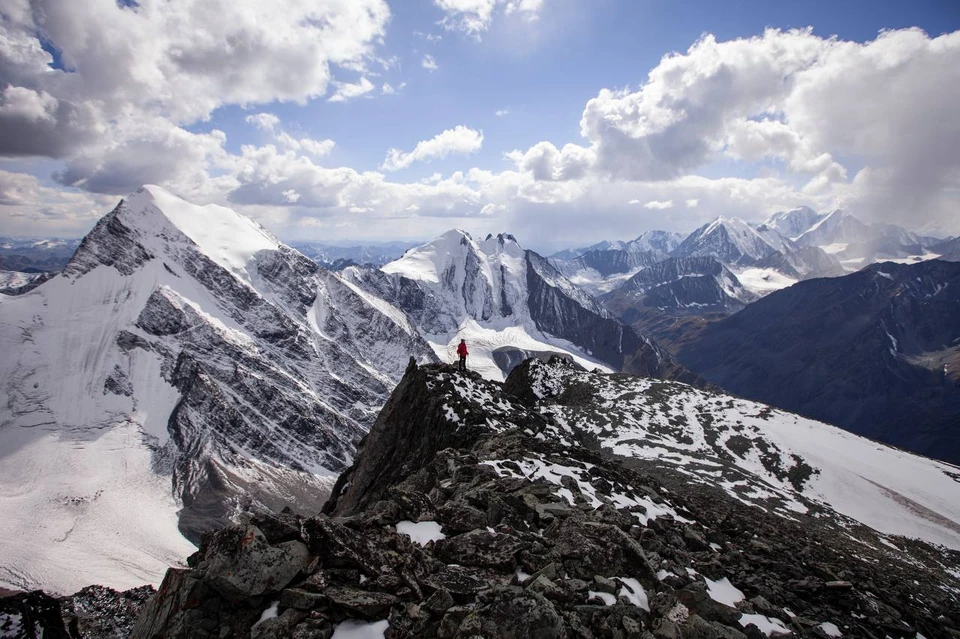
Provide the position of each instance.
(462, 354)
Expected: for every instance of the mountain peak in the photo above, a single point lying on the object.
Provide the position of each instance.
(225, 236)
(502, 243)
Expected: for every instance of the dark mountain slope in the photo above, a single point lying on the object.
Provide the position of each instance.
(865, 352)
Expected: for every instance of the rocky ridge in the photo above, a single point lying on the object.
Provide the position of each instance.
(475, 509)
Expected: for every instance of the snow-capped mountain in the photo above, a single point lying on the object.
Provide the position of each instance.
(184, 366)
(856, 243)
(662, 241)
(876, 352)
(682, 286)
(834, 228)
(729, 240)
(328, 255)
(18, 282)
(36, 254)
(948, 250)
(600, 271)
(603, 267)
(507, 303)
(794, 223)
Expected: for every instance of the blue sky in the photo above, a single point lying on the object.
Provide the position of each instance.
(760, 122)
(544, 73)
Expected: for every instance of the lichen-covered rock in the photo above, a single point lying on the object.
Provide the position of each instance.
(512, 613)
(240, 562)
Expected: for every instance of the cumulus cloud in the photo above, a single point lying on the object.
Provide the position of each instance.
(548, 163)
(27, 207)
(459, 140)
(177, 59)
(429, 63)
(264, 121)
(804, 120)
(347, 91)
(794, 98)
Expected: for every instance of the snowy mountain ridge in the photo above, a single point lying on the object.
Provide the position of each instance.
(183, 367)
(508, 303)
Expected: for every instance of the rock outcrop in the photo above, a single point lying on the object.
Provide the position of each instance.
(473, 511)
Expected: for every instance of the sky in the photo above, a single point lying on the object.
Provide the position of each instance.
(563, 122)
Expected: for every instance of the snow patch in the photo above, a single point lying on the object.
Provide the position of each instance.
(352, 629)
(634, 592)
(421, 532)
(722, 591)
(769, 625)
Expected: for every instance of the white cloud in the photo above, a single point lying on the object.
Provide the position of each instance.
(787, 109)
(264, 121)
(185, 58)
(429, 63)
(389, 89)
(461, 140)
(659, 205)
(316, 148)
(546, 162)
(347, 91)
(473, 17)
(501, 113)
(27, 207)
(270, 123)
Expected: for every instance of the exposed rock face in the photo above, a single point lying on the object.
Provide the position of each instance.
(866, 352)
(103, 613)
(525, 532)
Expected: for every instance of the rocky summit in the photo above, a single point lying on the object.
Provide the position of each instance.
(481, 509)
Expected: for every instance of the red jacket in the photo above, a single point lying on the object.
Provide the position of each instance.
(462, 349)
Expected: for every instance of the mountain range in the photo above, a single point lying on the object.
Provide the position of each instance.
(36, 255)
(876, 352)
(187, 370)
(335, 257)
(188, 365)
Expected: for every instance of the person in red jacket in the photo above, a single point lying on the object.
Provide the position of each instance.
(462, 353)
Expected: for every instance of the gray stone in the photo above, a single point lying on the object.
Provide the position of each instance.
(602, 584)
(511, 613)
(439, 602)
(370, 605)
(240, 563)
